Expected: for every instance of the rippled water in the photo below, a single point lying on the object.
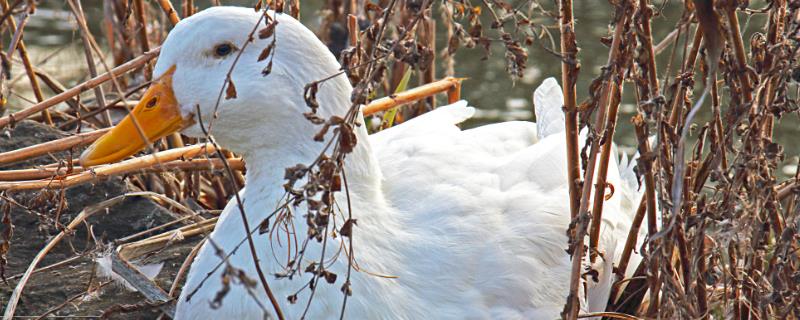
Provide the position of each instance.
(51, 34)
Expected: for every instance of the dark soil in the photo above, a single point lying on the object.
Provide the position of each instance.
(38, 216)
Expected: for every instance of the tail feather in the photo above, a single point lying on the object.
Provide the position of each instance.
(548, 102)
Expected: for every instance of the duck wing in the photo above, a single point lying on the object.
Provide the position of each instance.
(490, 205)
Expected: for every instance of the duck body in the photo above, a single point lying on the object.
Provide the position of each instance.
(451, 223)
(483, 245)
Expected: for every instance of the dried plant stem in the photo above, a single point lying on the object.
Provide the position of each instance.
(90, 84)
(159, 241)
(427, 35)
(77, 10)
(688, 67)
(188, 8)
(646, 14)
(609, 101)
(737, 43)
(49, 267)
(8, 11)
(602, 173)
(607, 115)
(627, 251)
(77, 140)
(166, 5)
(646, 159)
(102, 172)
(569, 79)
(141, 15)
(71, 299)
(450, 85)
(774, 37)
(26, 61)
(173, 289)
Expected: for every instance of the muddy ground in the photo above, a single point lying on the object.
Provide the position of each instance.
(36, 218)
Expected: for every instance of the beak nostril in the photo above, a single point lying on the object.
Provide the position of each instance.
(151, 103)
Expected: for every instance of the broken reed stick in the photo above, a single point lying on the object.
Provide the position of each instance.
(101, 172)
(62, 144)
(50, 171)
(451, 85)
(157, 242)
(74, 91)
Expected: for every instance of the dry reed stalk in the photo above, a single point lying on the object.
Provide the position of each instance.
(627, 251)
(72, 299)
(160, 241)
(608, 105)
(687, 67)
(37, 173)
(774, 37)
(7, 12)
(188, 8)
(102, 172)
(735, 39)
(569, 80)
(48, 267)
(144, 41)
(77, 10)
(609, 315)
(602, 172)
(173, 289)
(646, 38)
(116, 103)
(169, 10)
(139, 234)
(74, 91)
(26, 61)
(77, 107)
(450, 85)
(62, 144)
(427, 35)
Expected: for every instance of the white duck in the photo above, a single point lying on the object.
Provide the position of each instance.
(470, 224)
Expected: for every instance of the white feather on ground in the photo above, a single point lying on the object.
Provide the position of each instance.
(105, 272)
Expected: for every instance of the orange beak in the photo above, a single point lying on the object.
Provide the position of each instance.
(156, 116)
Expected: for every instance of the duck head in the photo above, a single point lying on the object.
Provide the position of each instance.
(191, 92)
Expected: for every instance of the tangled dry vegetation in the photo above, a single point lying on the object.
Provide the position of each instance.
(722, 226)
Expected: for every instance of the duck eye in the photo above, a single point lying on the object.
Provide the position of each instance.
(222, 50)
